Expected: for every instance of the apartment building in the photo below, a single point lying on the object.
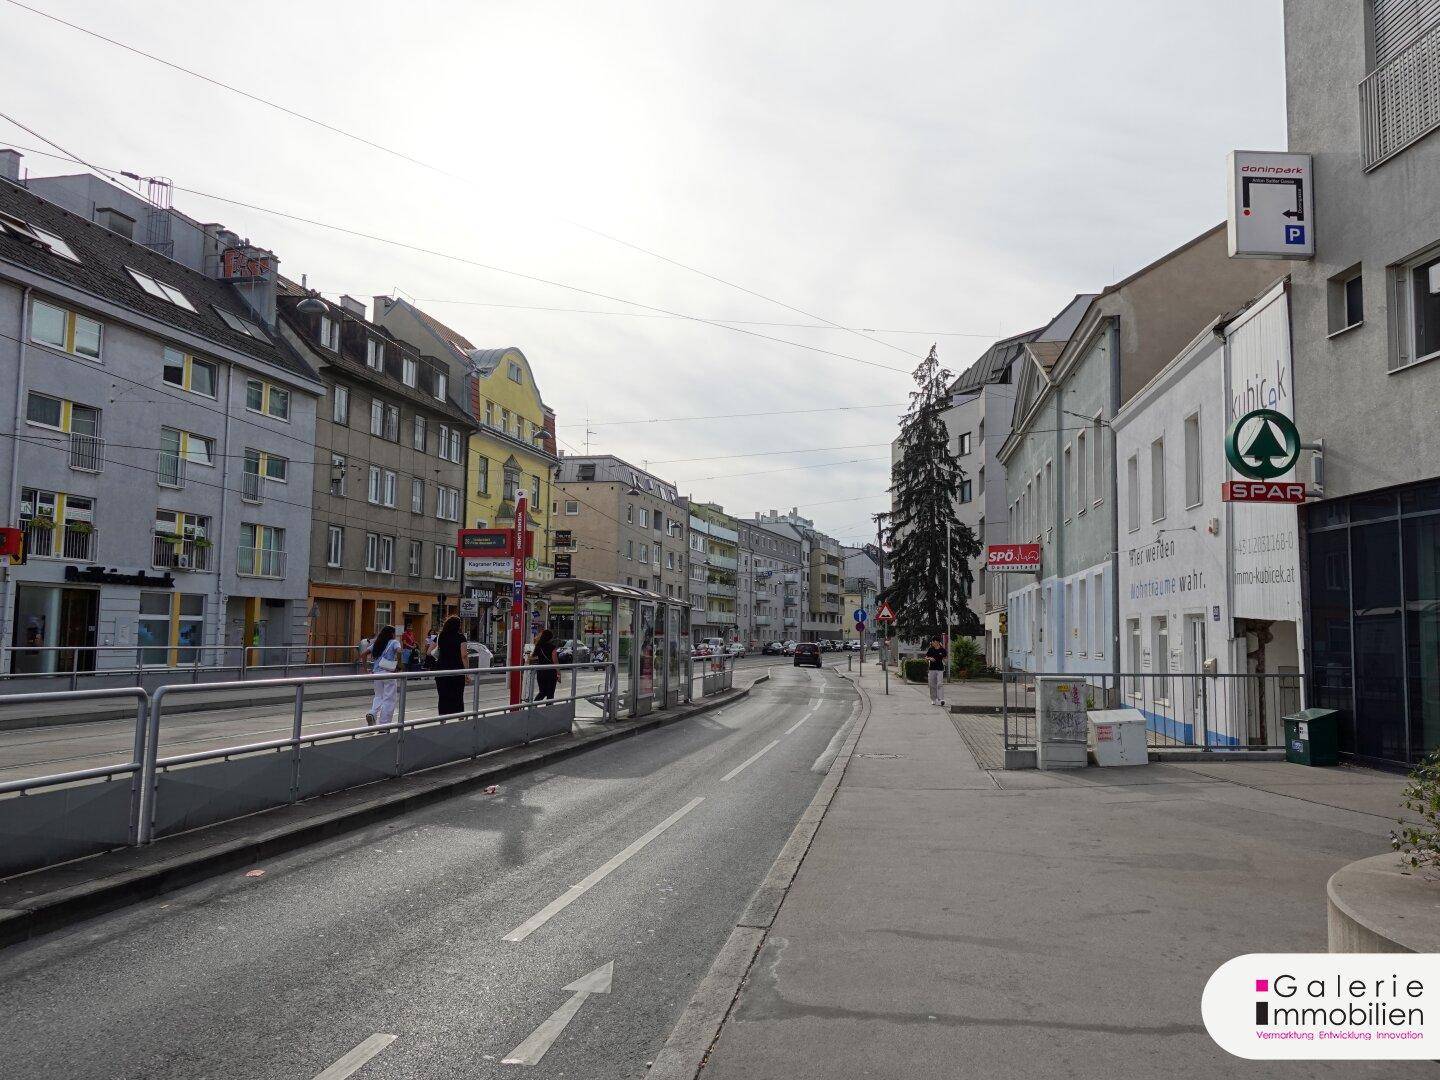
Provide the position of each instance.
(1059, 458)
(767, 557)
(146, 393)
(626, 525)
(820, 592)
(389, 491)
(714, 561)
(1363, 97)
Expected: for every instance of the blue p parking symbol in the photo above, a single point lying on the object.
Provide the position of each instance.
(1294, 234)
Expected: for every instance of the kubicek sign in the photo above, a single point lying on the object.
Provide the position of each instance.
(1262, 444)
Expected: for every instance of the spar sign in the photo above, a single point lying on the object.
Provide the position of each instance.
(1013, 558)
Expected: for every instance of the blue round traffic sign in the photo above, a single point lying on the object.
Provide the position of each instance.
(861, 614)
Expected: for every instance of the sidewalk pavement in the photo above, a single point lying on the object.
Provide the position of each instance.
(949, 921)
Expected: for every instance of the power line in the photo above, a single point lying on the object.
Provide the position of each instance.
(765, 453)
(334, 129)
(730, 416)
(793, 468)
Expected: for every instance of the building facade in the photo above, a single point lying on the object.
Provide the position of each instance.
(389, 495)
(714, 561)
(819, 582)
(1363, 97)
(767, 557)
(626, 525)
(145, 395)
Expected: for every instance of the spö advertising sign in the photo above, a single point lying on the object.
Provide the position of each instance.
(1012, 558)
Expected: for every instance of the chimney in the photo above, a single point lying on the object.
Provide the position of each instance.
(10, 165)
(382, 306)
(355, 307)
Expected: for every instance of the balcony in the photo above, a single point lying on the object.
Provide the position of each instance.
(175, 553)
(250, 487)
(1400, 102)
(722, 562)
(259, 562)
(170, 469)
(86, 453)
(790, 621)
(715, 588)
(763, 620)
(73, 540)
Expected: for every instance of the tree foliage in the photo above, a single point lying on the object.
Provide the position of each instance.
(924, 484)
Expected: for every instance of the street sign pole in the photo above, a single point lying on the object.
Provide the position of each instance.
(517, 602)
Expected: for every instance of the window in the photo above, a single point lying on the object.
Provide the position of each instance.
(262, 397)
(1097, 604)
(374, 490)
(1098, 449)
(1161, 654)
(1132, 634)
(197, 376)
(1418, 293)
(442, 382)
(377, 417)
(44, 410)
(455, 454)
(417, 433)
(644, 518)
(171, 627)
(630, 549)
(1132, 483)
(571, 508)
(1192, 460)
(514, 372)
(335, 546)
(1080, 633)
(389, 491)
(374, 352)
(447, 504)
(409, 370)
(490, 415)
(535, 491)
(445, 563)
(442, 442)
(417, 496)
(1082, 480)
(645, 553)
(239, 325)
(962, 444)
(586, 472)
(965, 491)
(1067, 477)
(337, 475)
(262, 551)
(160, 290)
(379, 553)
(64, 330)
(340, 405)
(1157, 480)
(372, 551)
(505, 420)
(482, 475)
(416, 549)
(25, 231)
(1047, 500)
(980, 481)
(270, 466)
(392, 423)
(176, 445)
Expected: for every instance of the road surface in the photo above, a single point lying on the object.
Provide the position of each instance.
(477, 929)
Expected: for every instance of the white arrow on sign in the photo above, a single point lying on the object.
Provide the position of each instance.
(533, 1049)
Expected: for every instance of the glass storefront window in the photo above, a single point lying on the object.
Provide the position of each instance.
(1421, 544)
(1330, 645)
(152, 633)
(1379, 647)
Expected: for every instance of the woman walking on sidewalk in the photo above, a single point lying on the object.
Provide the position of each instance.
(385, 655)
(546, 674)
(936, 655)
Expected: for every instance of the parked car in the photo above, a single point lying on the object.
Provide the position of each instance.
(573, 652)
(735, 649)
(774, 648)
(789, 648)
(807, 652)
(853, 645)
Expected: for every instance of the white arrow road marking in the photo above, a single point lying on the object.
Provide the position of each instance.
(750, 761)
(570, 895)
(351, 1062)
(542, 1038)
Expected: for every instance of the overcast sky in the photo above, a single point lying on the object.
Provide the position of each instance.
(958, 168)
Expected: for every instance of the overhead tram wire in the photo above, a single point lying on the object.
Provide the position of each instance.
(467, 181)
(450, 257)
(730, 416)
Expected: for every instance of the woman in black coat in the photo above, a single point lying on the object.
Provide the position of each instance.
(451, 657)
(546, 673)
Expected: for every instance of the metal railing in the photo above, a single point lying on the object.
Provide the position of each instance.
(72, 540)
(250, 486)
(259, 562)
(87, 452)
(1182, 710)
(179, 553)
(1400, 101)
(191, 663)
(170, 468)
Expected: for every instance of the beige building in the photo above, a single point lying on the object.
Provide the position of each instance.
(626, 525)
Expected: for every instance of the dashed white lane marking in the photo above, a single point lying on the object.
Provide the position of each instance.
(570, 895)
(351, 1062)
(813, 710)
(750, 761)
(827, 758)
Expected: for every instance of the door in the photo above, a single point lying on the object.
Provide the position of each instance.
(1199, 688)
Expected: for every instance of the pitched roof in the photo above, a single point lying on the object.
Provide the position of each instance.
(101, 271)
(993, 363)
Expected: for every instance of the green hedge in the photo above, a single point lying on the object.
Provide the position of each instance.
(916, 669)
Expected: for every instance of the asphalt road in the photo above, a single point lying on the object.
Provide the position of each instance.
(656, 842)
(56, 748)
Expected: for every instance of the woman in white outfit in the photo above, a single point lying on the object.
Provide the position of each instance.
(385, 654)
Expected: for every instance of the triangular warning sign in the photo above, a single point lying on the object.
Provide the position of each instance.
(885, 614)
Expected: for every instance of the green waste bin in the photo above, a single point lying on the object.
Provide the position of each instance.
(1311, 737)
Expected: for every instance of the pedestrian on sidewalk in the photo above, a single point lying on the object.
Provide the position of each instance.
(450, 656)
(385, 658)
(543, 657)
(936, 655)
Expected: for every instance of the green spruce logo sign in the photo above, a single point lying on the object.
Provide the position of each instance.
(1262, 444)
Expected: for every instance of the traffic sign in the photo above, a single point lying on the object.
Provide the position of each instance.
(861, 614)
(1012, 558)
(1272, 205)
(1262, 491)
(886, 613)
(1262, 444)
(859, 626)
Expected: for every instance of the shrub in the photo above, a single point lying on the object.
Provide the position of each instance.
(965, 658)
(1419, 842)
(916, 669)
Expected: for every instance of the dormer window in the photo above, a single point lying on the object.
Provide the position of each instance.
(243, 326)
(329, 333)
(514, 372)
(441, 385)
(410, 370)
(374, 352)
(23, 230)
(160, 290)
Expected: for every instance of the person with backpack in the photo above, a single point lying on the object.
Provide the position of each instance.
(385, 658)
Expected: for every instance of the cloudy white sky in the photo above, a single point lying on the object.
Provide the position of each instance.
(956, 168)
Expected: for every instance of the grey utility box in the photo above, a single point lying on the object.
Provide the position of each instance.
(1061, 728)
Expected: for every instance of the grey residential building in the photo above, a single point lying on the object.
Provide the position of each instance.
(1363, 97)
(145, 394)
(820, 585)
(768, 558)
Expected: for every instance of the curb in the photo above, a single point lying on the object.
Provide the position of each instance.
(694, 1035)
(65, 906)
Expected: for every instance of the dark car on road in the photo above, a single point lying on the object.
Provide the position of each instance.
(807, 652)
(774, 648)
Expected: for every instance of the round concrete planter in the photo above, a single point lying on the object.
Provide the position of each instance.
(1376, 906)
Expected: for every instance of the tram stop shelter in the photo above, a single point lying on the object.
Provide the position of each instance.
(647, 635)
